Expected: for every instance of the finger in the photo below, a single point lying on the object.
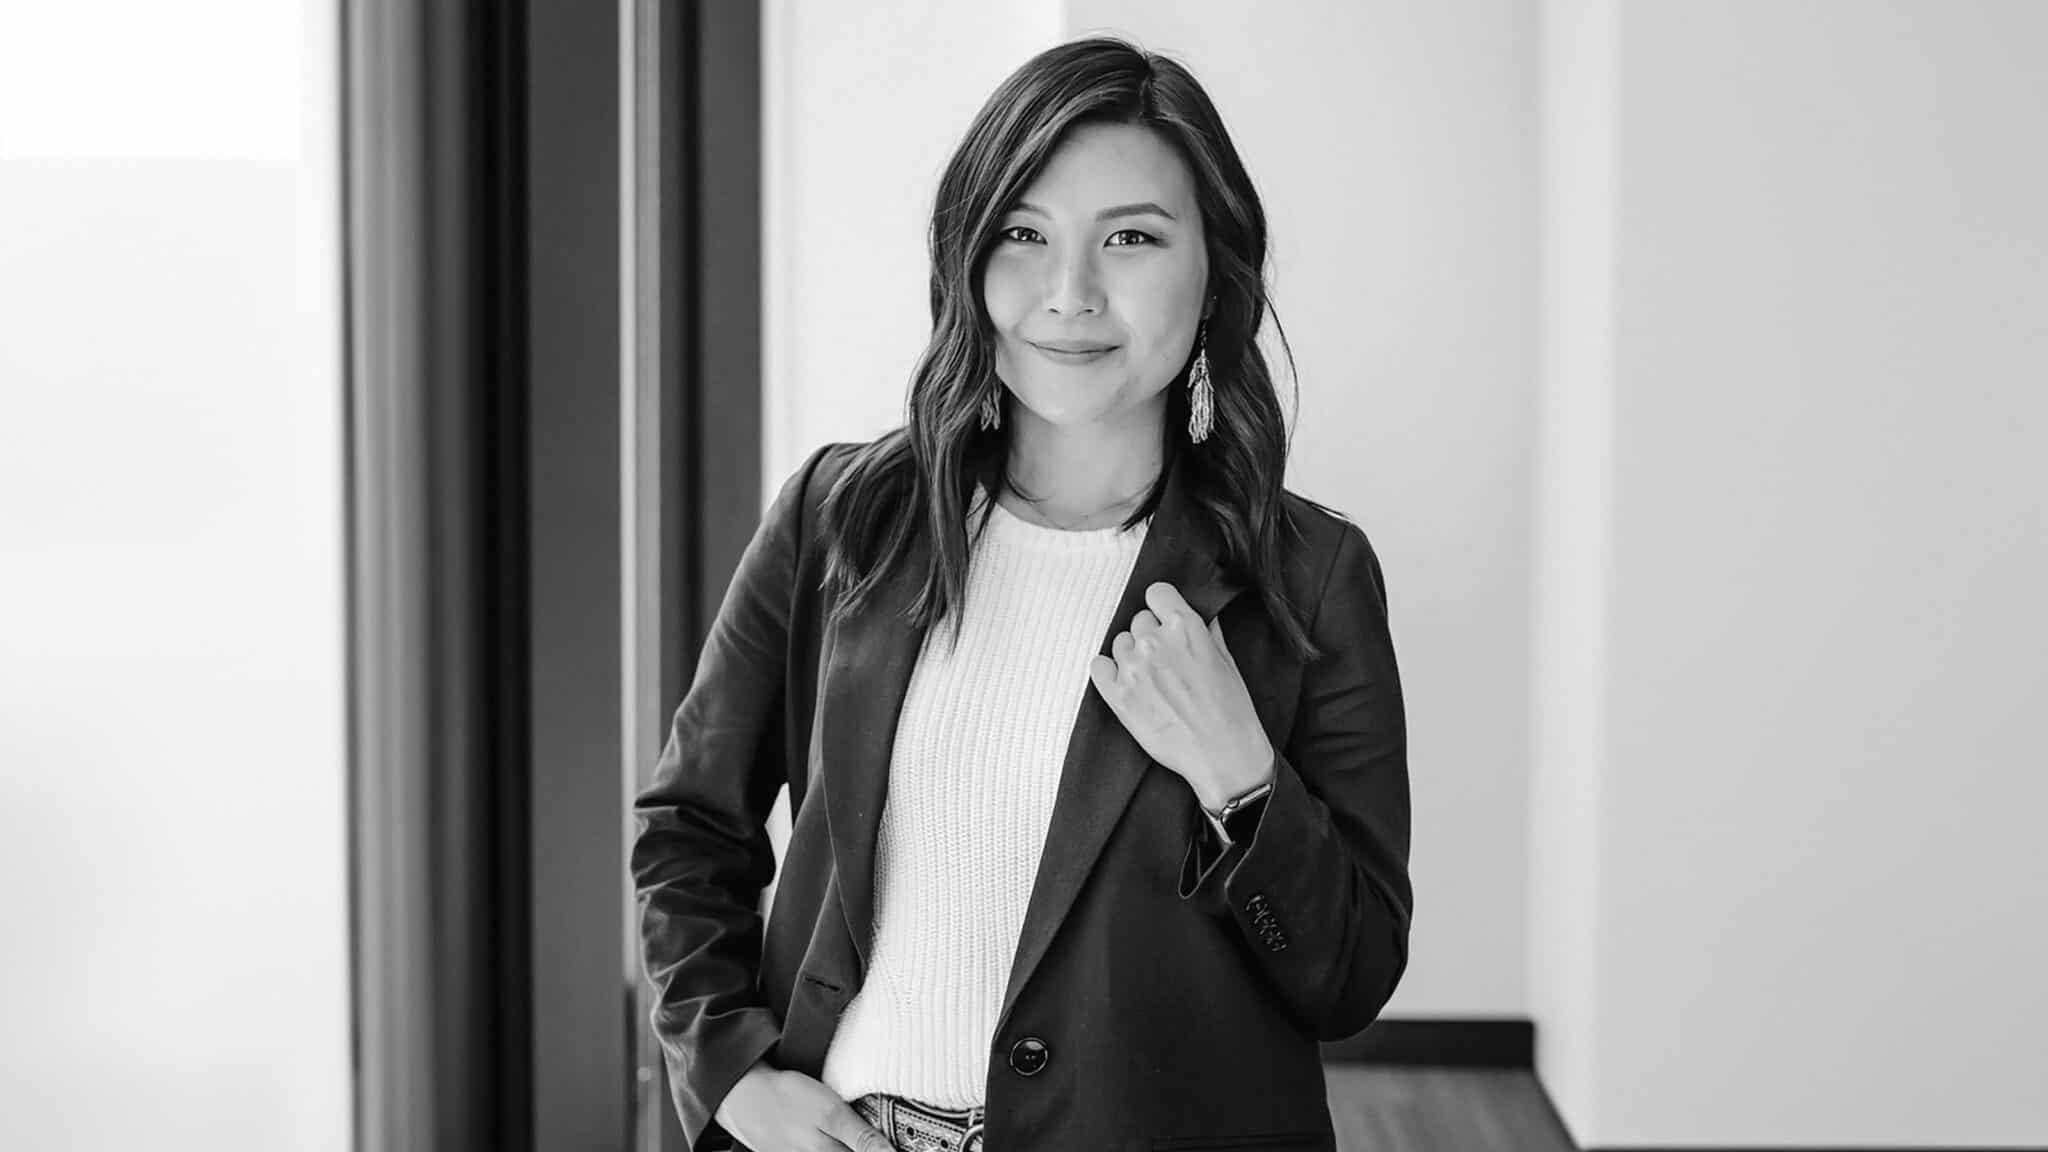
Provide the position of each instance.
(1171, 606)
(1140, 657)
(1103, 671)
(1223, 646)
(852, 1129)
(1125, 649)
(1216, 630)
(1144, 622)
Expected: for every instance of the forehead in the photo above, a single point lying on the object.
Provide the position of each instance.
(1101, 164)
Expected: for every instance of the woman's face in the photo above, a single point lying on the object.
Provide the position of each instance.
(1103, 250)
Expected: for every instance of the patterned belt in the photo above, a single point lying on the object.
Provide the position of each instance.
(915, 1127)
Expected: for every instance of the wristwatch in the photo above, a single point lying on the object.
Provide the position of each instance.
(1220, 817)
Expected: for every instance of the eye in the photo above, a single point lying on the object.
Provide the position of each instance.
(1144, 238)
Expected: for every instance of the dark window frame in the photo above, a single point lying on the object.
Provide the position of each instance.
(551, 274)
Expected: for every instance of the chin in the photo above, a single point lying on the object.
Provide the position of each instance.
(1073, 411)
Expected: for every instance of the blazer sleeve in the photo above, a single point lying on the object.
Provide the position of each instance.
(1321, 890)
(701, 855)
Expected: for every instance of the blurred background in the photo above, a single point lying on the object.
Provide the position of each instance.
(387, 390)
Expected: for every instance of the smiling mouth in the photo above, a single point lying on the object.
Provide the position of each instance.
(1091, 354)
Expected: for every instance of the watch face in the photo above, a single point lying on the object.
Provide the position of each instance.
(1239, 824)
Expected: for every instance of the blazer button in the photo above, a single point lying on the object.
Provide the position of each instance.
(1029, 1055)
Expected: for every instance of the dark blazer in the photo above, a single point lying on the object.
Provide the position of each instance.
(1154, 1002)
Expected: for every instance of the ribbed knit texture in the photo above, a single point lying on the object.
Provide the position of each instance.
(979, 748)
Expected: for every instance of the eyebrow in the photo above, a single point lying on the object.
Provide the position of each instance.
(1142, 208)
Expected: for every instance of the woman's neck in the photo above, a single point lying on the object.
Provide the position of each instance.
(1079, 483)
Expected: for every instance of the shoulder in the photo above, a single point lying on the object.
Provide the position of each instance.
(796, 511)
(830, 461)
(1333, 550)
(803, 486)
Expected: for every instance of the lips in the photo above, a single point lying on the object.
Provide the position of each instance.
(1073, 358)
(1077, 347)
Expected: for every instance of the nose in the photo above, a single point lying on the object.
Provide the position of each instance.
(1074, 289)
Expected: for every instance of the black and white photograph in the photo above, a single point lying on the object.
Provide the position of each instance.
(1047, 576)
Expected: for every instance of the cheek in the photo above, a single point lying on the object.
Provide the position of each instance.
(1163, 299)
(1165, 321)
(1002, 293)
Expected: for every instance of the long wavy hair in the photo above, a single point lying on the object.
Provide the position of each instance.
(921, 477)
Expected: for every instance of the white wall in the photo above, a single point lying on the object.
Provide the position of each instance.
(172, 833)
(1393, 145)
(1811, 359)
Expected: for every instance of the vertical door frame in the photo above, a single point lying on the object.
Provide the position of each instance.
(690, 393)
(432, 221)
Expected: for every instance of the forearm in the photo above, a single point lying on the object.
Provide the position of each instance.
(1326, 919)
(1321, 891)
(701, 854)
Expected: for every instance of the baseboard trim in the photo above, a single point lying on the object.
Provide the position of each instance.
(1510, 1043)
(1465, 1042)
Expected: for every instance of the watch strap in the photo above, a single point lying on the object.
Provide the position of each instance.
(1235, 803)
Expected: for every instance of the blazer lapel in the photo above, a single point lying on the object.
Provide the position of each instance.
(867, 675)
(864, 677)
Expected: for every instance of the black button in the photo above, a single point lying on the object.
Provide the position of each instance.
(1029, 1055)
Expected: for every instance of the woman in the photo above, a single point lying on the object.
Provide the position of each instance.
(1089, 850)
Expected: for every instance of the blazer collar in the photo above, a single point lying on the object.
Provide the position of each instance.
(865, 679)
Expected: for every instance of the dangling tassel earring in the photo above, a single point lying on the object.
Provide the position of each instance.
(992, 405)
(1201, 396)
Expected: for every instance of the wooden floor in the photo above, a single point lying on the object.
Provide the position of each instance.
(1386, 1108)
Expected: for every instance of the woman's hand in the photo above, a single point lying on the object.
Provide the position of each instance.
(775, 1110)
(1177, 690)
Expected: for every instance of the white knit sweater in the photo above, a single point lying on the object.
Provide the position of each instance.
(980, 743)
